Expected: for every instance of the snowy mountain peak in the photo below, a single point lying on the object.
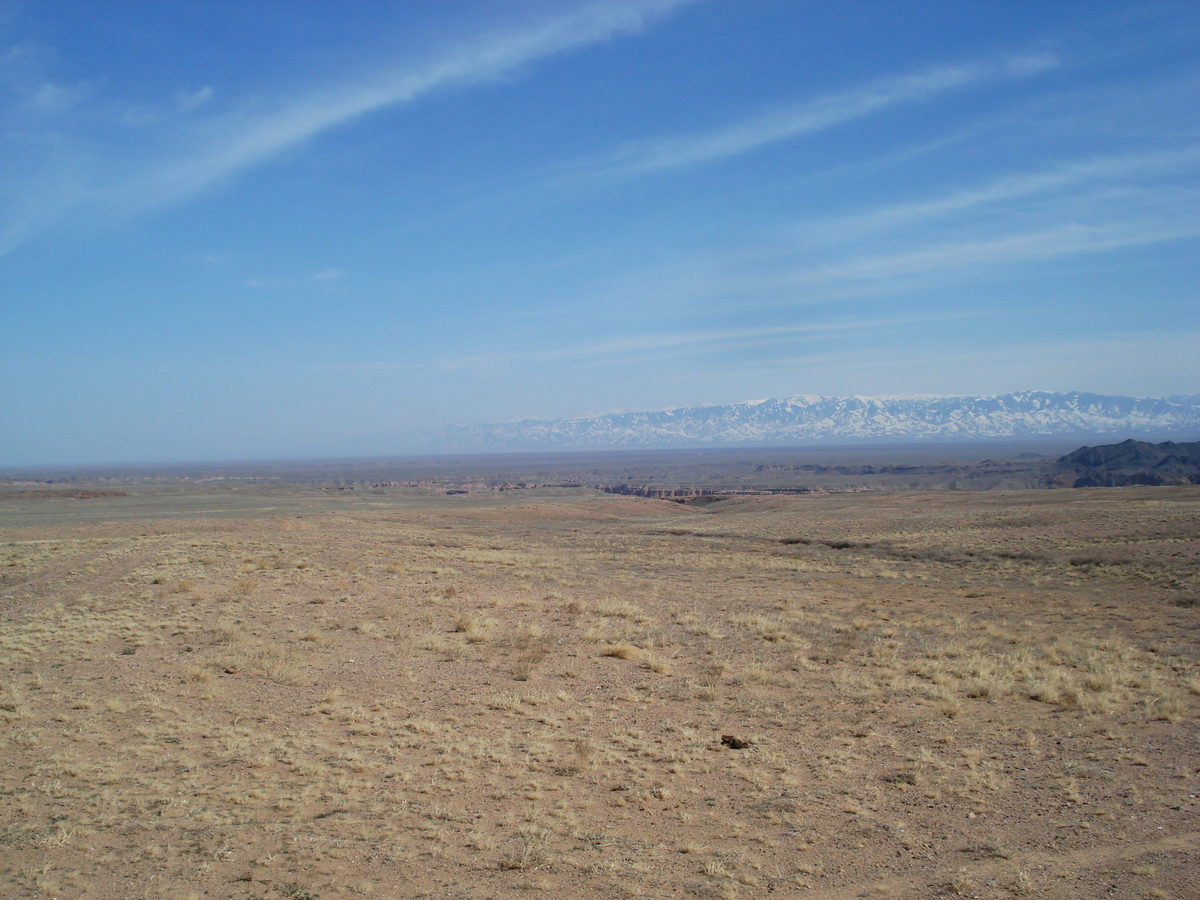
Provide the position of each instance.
(806, 418)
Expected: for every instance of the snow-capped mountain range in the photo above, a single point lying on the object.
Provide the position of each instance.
(805, 418)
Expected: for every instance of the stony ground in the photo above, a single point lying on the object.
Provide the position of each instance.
(564, 694)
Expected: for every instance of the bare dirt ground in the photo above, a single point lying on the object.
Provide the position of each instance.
(547, 693)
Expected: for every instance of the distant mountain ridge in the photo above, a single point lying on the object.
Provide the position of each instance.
(805, 418)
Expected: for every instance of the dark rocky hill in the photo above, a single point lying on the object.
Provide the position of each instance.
(1129, 462)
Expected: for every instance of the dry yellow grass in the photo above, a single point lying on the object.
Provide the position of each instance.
(494, 699)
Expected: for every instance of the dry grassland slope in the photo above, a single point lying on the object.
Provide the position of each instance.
(828, 696)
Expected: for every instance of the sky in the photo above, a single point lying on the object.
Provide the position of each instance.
(256, 230)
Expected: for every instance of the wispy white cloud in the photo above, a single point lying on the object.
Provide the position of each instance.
(1080, 173)
(187, 101)
(327, 275)
(808, 117)
(52, 98)
(250, 140)
(1148, 364)
(1087, 206)
(722, 339)
(327, 279)
(656, 345)
(1063, 240)
(231, 144)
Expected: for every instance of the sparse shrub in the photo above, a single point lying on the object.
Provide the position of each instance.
(10, 700)
(532, 851)
(1100, 682)
(526, 661)
(228, 632)
(1170, 708)
(583, 756)
(623, 651)
(196, 674)
(962, 884)
(949, 708)
(620, 609)
(1020, 884)
(293, 891)
(477, 629)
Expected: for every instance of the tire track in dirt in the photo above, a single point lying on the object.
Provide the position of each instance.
(97, 565)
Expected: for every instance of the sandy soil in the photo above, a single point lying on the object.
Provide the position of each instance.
(827, 696)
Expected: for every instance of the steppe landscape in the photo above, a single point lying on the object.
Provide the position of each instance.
(332, 689)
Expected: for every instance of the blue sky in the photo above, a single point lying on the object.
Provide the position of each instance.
(253, 230)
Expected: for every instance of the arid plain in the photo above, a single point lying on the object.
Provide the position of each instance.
(295, 691)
